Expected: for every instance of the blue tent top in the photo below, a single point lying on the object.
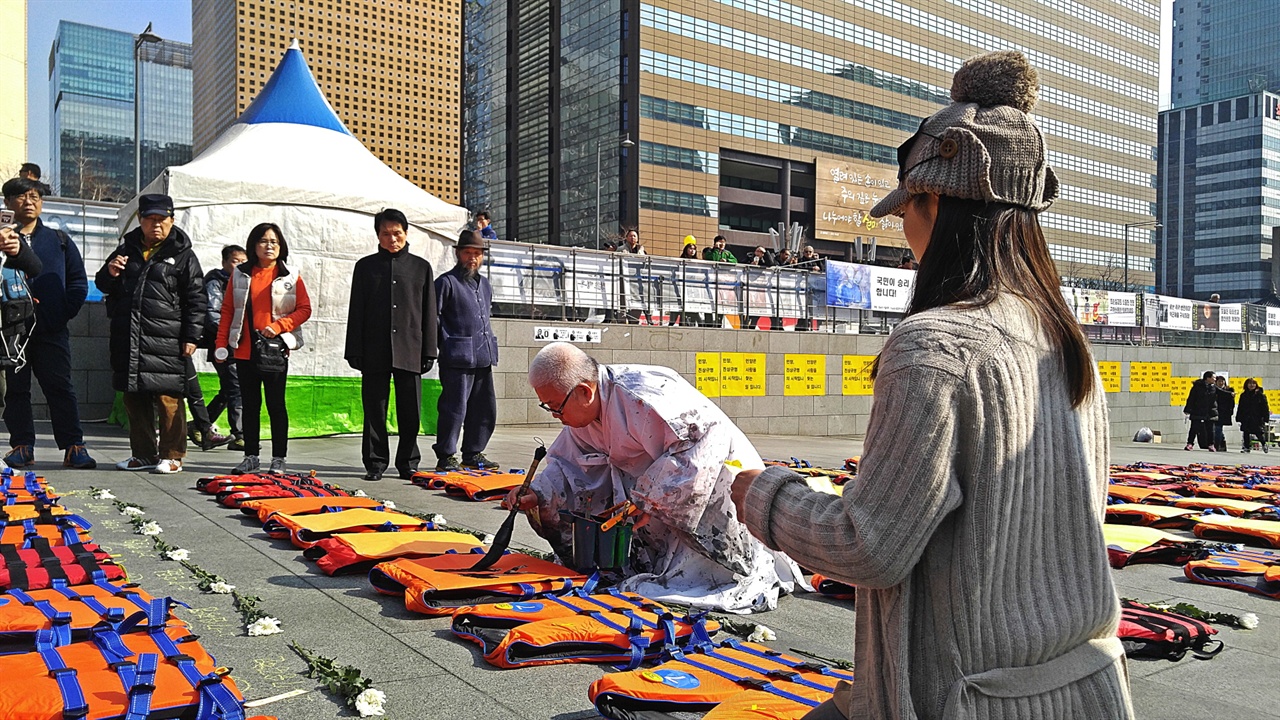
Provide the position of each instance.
(292, 96)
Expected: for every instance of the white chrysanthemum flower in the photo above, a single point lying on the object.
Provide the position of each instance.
(487, 539)
(360, 493)
(264, 626)
(103, 494)
(132, 511)
(1249, 621)
(178, 554)
(438, 519)
(762, 634)
(388, 505)
(221, 587)
(370, 702)
(150, 527)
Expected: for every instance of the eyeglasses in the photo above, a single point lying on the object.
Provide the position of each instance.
(275, 243)
(31, 198)
(559, 410)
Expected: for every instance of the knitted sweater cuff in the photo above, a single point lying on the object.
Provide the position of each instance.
(760, 498)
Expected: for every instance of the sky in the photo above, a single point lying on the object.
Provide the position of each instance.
(172, 21)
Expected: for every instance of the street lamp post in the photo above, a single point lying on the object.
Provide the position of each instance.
(1154, 226)
(623, 142)
(146, 36)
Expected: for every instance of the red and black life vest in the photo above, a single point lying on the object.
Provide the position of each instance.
(1148, 632)
(37, 567)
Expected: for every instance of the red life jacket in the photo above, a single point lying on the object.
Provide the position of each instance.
(38, 567)
(1148, 632)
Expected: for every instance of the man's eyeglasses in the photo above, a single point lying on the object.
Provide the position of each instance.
(30, 198)
(559, 410)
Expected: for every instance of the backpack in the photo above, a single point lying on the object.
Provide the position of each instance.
(1148, 632)
(17, 317)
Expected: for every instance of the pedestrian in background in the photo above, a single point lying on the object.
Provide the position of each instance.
(718, 253)
(485, 226)
(468, 354)
(59, 291)
(1226, 397)
(631, 241)
(991, 365)
(155, 299)
(391, 335)
(1202, 409)
(1253, 414)
(228, 397)
(263, 307)
(690, 249)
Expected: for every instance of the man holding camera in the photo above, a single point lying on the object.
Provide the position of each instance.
(59, 291)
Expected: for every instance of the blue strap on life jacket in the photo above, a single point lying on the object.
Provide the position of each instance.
(216, 701)
(749, 681)
(773, 673)
(73, 701)
(142, 686)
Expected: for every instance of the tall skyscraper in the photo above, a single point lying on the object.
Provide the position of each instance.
(389, 68)
(1217, 150)
(750, 113)
(91, 92)
(1223, 49)
(13, 86)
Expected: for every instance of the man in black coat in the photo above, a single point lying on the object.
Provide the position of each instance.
(1226, 409)
(468, 352)
(156, 302)
(1202, 408)
(391, 333)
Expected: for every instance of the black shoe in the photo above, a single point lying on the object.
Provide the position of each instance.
(407, 473)
(448, 464)
(478, 462)
(373, 475)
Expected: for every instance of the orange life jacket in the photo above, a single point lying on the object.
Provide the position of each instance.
(1238, 508)
(706, 674)
(833, 588)
(38, 567)
(162, 673)
(1252, 571)
(1238, 493)
(575, 627)
(471, 484)
(264, 507)
(439, 585)
(70, 612)
(1132, 544)
(1157, 516)
(307, 530)
(1137, 494)
(62, 531)
(358, 552)
(1240, 530)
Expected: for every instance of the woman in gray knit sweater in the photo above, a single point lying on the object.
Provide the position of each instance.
(983, 584)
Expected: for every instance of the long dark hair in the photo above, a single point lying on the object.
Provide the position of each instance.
(256, 234)
(978, 249)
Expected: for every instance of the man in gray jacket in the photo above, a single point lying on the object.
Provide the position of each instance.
(468, 352)
(391, 333)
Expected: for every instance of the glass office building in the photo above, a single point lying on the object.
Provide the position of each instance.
(1219, 198)
(1223, 50)
(91, 91)
(751, 113)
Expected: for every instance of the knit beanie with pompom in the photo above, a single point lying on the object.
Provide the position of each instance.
(983, 146)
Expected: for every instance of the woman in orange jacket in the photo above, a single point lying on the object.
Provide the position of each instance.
(275, 303)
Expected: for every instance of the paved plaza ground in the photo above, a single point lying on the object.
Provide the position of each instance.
(427, 673)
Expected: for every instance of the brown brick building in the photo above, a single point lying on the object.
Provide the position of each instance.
(748, 113)
(389, 68)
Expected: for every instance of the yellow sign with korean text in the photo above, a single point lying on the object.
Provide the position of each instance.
(857, 374)
(1179, 387)
(1150, 376)
(708, 374)
(742, 374)
(1110, 372)
(804, 375)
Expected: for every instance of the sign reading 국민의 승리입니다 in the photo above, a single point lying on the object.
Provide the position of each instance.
(844, 194)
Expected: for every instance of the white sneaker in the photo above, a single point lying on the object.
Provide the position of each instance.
(168, 467)
(136, 463)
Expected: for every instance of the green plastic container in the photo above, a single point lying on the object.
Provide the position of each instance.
(595, 550)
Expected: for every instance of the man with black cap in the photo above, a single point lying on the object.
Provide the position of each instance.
(468, 352)
(391, 333)
(60, 290)
(155, 297)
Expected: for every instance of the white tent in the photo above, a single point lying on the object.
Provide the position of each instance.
(289, 160)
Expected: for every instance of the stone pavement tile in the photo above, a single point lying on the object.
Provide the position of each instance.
(1179, 702)
(1235, 683)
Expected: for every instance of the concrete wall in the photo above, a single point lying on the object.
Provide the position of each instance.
(835, 414)
(773, 414)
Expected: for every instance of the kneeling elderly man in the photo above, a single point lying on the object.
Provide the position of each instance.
(644, 434)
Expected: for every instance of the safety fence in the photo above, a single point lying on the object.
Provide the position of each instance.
(574, 284)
